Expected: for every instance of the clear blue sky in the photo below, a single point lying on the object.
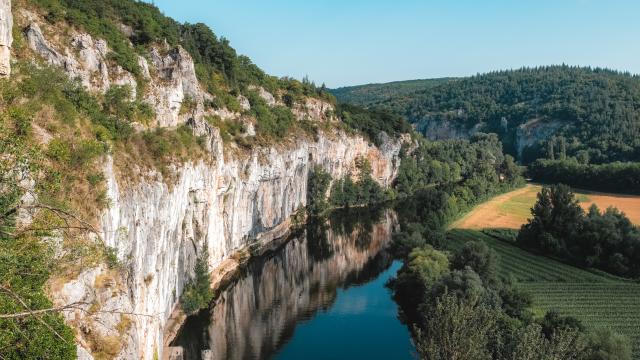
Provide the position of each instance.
(349, 42)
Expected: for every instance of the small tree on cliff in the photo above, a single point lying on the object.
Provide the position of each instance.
(317, 186)
(197, 295)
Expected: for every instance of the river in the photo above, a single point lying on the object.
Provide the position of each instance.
(322, 295)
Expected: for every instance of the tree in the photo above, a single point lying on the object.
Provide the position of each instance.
(424, 265)
(603, 344)
(557, 218)
(477, 256)
(317, 186)
(457, 330)
(198, 294)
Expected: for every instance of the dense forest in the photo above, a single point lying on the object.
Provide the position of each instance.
(612, 177)
(594, 110)
(365, 95)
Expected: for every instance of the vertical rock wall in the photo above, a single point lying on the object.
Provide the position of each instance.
(229, 202)
(6, 38)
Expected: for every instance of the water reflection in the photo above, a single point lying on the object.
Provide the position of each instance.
(258, 314)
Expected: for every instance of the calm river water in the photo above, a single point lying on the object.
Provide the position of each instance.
(320, 296)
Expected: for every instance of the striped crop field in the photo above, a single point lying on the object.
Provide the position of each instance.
(596, 298)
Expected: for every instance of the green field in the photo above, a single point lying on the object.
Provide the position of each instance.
(596, 298)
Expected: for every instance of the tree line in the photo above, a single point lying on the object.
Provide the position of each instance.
(615, 177)
(604, 240)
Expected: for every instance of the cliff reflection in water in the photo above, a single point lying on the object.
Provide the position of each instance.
(257, 315)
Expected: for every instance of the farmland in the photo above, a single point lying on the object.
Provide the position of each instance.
(512, 209)
(596, 298)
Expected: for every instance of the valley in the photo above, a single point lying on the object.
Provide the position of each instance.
(163, 197)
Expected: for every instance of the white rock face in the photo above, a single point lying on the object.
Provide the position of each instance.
(226, 202)
(90, 66)
(176, 81)
(6, 37)
(158, 231)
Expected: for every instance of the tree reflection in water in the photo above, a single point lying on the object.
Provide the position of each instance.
(257, 314)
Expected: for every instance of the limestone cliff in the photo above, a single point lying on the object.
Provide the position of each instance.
(231, 201)
(6, 37)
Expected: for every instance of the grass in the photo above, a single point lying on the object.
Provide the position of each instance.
(512, 209)
(597, 299)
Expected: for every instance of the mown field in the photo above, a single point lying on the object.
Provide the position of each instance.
(512, 209)
(596, 298)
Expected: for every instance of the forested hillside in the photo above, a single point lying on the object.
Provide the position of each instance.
(369, 94)
(549, 112)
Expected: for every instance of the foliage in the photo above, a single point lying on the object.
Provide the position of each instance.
(372, 122)
(230, 130)
(605, 345)
(372, 94)
(599, 300)
(477, 256)
(347, 193)
(25, 261)
(613, 177)
(477, 164)
(273, 122)
(595, 109)
(559, 227)
(317, 187)
(198, 294)
(457, 330)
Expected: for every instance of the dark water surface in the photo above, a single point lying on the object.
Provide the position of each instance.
(320, 296)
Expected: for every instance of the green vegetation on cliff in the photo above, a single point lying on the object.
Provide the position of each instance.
(217, 63)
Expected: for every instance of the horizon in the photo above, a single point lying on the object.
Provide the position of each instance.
(373, 42)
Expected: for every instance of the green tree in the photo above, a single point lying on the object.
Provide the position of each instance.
(317, 186)
(198, 294)
(479, 257)
(457, 330)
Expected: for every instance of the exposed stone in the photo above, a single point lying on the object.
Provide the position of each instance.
(229, 203)
(535, 130)
(244, 103)
(6, 37)
(41, 46)
(178, 80)
(264, 94)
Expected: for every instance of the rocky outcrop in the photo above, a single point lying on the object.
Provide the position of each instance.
(89, 66)
(445, 129)
(533, 131)
(6, 37)
(159, 231)
(229, 202)
(176, 81)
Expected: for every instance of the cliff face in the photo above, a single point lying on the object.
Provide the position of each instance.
(6, 37)
(227, 201)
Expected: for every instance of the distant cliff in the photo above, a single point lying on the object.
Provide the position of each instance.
(593, 110)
